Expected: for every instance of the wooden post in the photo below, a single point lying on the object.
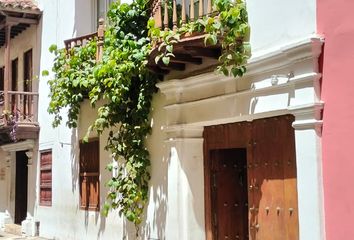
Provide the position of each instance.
(19, 106)
(174, 15)
(157, 15)
(165, 20)
(192, 10)
(201, 8)
(7, 63)
(100, 41)
(209, 8)
(183, 11)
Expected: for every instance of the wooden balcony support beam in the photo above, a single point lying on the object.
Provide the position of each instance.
(18, 20)
(159, 71)
(186, 58)
(203, 52)
(173, 66)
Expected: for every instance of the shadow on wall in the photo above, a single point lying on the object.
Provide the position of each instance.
(90, 189)
(153, 226)
(74, 161)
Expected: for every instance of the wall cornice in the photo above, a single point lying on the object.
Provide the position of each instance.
(19, 146)
(282, 81)
(274, 60)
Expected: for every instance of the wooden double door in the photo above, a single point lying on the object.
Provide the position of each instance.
(250, 178)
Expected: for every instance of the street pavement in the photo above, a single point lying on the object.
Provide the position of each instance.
(7, 236)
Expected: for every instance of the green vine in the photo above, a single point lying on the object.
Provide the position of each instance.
(123, 81)
(121, 87)
(228, 27)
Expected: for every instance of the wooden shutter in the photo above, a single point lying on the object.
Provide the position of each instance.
(27, 71)
(45, 198)
(89, 175)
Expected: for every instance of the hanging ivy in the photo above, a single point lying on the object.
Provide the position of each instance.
(124, 85)
(123, 81)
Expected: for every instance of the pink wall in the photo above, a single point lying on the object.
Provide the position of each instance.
(336, 23)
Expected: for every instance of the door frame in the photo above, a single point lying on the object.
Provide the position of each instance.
(28, 146)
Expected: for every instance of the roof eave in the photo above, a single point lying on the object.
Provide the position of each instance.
(20, 10)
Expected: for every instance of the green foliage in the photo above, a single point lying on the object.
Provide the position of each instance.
(121, 87)
(229, 28)
(124, 82)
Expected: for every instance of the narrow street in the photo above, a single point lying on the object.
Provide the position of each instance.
(7, 236)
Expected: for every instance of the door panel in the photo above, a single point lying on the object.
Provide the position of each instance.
(290, 183)
(229, 192)
(21, 187)
(269, 156)
(269, 176)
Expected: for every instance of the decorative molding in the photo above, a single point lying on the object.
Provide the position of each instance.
(307, 78)
(307, 111)
(190, 101)
(309, 48)
(19, 146)
(183, 132)
(184, 140)
(308, 116)
(307, 124)
(29, 155)
(8, 160)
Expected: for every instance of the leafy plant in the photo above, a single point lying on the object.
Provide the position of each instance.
(228, 27)
(124, 82)
(126, 86)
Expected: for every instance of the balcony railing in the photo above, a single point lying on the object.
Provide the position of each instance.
(170, 14)
(79, 41)
(83, 40)
(191, 51)
(21, 109)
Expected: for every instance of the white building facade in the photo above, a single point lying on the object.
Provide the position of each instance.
(282, 78)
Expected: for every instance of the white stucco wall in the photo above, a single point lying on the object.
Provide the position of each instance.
(3, 183)
(64, 219)
(61, 20)
(278, 22)
(176, 204)
(210, 99)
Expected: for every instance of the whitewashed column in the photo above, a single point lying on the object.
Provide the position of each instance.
(31, 187)
(308, 127)
(185, 183)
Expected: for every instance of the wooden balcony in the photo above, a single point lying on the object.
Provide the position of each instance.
(18, 110)
(79, 41)
(191, 53)
(83, 40)
(18, 120)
